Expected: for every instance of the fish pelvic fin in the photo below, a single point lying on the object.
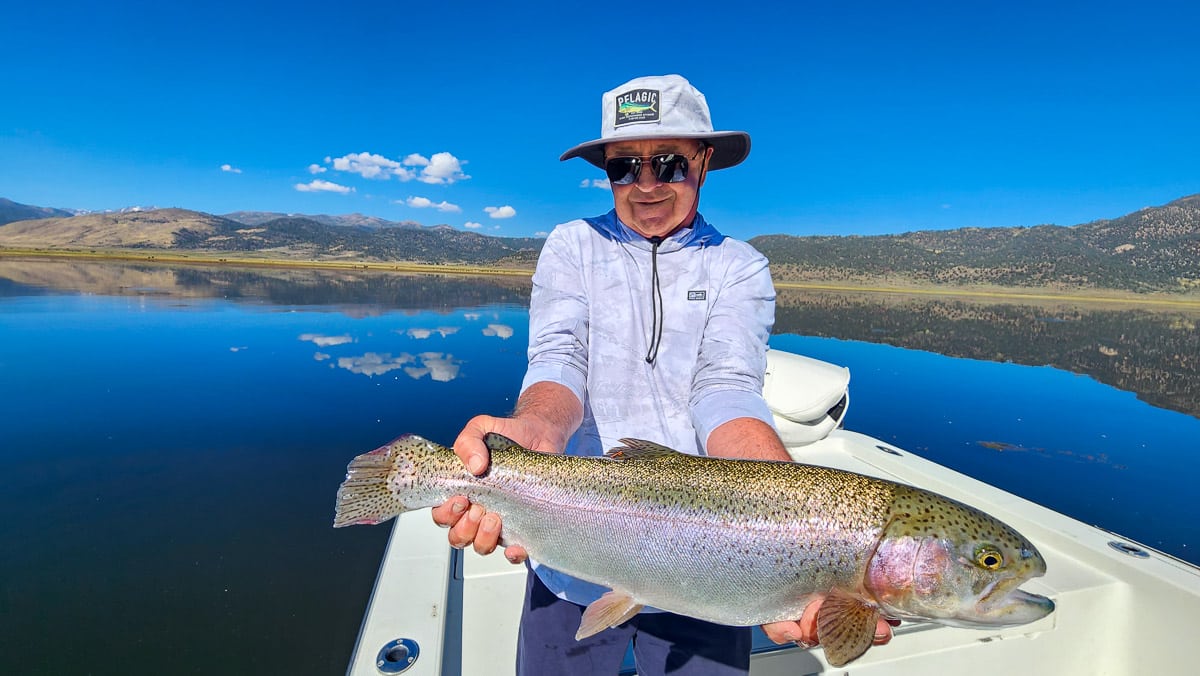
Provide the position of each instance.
(608, 611)
(845, 627)
(365, 497)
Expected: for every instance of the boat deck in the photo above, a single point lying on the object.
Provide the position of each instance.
(1120, 608)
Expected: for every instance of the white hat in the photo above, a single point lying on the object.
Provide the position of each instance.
(661, 106)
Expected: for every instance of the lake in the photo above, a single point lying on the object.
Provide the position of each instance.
(172, 438)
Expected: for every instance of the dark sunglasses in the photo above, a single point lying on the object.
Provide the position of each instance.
(668, 168)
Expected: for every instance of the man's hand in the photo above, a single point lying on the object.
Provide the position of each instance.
(472, 524)
(803, 632)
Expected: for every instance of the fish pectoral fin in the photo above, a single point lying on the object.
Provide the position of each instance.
(845, 627)
(607, 611)
(640, 449)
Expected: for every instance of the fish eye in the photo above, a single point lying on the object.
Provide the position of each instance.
(989, 558)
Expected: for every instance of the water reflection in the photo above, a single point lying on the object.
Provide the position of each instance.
(1154, 353)
(356, 293)
(174, 438)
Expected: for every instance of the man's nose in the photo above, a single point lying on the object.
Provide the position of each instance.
(647, 178)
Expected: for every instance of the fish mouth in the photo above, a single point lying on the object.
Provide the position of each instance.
(1005, 606)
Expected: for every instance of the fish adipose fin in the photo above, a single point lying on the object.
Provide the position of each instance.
(364, 497)
(608, 611)
(640, 449)
(499, 442)
(845, 627)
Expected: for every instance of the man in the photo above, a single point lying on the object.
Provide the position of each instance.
(644, 322)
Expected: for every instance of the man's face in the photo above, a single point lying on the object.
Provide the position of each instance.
(654, 209)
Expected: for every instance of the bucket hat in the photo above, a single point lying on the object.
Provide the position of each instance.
(661, 106)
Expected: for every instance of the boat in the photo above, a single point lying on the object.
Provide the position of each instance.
(1120, 607)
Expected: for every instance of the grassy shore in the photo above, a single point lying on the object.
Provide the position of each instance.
(242, 260)
(1191, 300)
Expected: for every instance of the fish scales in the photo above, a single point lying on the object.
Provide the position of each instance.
(729, 541)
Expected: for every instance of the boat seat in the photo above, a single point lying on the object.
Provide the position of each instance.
(807, 397)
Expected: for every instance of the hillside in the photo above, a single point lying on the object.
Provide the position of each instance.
(345, 220)
(13, 211)
(1156, 249)
(288, 237)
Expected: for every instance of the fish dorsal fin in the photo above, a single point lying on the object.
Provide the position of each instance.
(640, 449)
(499, 442)
(845, 627)
(607, 611)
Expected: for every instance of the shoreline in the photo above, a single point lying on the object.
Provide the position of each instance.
(218, 259)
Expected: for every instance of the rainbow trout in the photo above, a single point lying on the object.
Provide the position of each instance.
(736, 542)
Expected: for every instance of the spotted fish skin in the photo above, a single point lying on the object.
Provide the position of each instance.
(737, 542)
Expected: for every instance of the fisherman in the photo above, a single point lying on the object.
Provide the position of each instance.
(645, 322)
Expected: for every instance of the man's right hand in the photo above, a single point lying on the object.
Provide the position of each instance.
(471, 524)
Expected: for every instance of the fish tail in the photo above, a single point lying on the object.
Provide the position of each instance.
(364, 498)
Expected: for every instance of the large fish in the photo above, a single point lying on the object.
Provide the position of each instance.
(736, 542)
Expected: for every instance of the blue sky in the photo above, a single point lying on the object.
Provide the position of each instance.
(866, 118)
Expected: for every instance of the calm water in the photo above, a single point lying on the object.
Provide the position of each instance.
(172, 439)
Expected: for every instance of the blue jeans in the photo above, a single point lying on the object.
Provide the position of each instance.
(663, 643)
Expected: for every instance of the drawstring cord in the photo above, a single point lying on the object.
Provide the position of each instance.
(656, 304)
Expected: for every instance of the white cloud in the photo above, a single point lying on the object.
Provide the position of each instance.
(422, 334)
(472, 225)
(440, 367)
(502, 331)
(443, 168)
(321, 356)
(317, 169)
(371, 165)
(230, 168)
(323, 186)
(326, 341)
(426, 203)
(501, 212)
(596, 183)
(373, 363)
(470, 316)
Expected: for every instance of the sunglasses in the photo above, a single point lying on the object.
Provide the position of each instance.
(668, 168)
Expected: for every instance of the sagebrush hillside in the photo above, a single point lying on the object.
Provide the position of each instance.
(1154, 249)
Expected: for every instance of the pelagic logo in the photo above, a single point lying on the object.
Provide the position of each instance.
(697, 295)
(639, 105)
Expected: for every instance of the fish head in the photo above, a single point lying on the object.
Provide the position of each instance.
(950, 563)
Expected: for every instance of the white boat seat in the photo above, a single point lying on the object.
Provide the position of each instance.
(807, 397)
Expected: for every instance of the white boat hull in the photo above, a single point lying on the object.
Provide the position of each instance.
(1116, 613)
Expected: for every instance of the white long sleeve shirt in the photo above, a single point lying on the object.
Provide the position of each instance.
(594, 321)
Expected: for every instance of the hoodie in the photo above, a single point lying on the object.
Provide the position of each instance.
(662, 339)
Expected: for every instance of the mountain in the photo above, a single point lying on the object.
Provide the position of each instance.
(129, 229)
(13, 211)
(345, 220)
(290, 237)
(1153, 249)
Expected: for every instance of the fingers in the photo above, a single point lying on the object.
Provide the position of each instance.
(487, 537)
(783, 632)
(448, 513)
(515, 554)
(469, 445)
(472, 525)
(803, 632)
(883, 630)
